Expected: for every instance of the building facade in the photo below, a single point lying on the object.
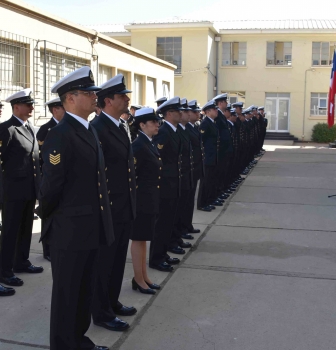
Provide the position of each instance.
(283, 65)
(37, 49)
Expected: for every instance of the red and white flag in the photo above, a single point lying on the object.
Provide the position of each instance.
(332, 92)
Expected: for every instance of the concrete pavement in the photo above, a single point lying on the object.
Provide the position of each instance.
(261, 276)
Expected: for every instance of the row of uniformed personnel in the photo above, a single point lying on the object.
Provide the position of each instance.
(82, 159)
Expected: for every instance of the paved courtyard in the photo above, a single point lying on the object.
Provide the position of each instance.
(261, 276)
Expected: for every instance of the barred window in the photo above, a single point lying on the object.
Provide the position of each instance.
(13, 63)
(105, 74)
(59, 65)
(170, 50)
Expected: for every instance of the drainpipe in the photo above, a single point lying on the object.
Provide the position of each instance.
(217, 40)
(304, 102)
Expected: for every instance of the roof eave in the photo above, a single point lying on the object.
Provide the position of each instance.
(277, 31)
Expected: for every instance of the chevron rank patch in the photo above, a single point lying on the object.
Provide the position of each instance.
(159, 146)
(40, 142)
(55, 159)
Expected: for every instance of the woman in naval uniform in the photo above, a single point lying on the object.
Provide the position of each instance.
(148, 167)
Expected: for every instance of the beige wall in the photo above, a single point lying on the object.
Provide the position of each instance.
(193, 83)
(256, 78)
(109, 53)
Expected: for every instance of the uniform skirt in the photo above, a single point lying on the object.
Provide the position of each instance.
(144, 227)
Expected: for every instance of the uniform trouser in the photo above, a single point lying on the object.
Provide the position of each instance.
(163, 231)
(17, 226)
(190, 206)
(207, 191)
(111, 267)
(73, 284)
(45, 245)
(181, 220)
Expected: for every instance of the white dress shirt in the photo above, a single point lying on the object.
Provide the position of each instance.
(210, 119)
(115, 121)
(20, 120)
(56, 120)
(171, 125)
(182, 126)
(84, 122)
(146, 136)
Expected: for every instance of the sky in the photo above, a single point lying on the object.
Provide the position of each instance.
(127, 11)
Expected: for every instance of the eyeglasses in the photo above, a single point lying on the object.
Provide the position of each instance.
(87, 93)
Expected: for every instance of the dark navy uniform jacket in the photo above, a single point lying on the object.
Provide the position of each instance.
(120, 171)
(198, 151)
(170, 147)
(148, 170)
(19, 155)
(225, 145)
(73, 195)
(210, 137)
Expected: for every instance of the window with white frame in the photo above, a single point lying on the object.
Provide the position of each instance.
(13, 66)
(105, 74)
(166, 89)
(279, 53)
(150, 91)
(234, 54)
(137, 89)
(170, 50)
(318, 103)
(323, 53)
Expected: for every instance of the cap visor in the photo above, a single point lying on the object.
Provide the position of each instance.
(123, 92)
(90, 88)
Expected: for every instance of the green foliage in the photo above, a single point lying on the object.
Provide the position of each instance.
(322, 133)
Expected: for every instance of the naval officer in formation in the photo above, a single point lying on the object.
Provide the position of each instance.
(20, 181)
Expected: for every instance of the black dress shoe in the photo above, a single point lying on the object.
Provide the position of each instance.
(12, 281)
(217, 204)
(162, 267)
(135, 286)
(153, 285)
(194, 230)
(47, 257)
(116, 325)
(6, 292)
(185, 245)
(122, 310)
(220, 200)
(187, 236)
(173, 261)
(99, 347)
(29, 269)
(176, 250)
(204, 208)
(212, 207)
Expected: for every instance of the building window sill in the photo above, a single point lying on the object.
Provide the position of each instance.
(318, 117)
(178, 75)
(278, 66)
(233, 66)
(315, 67)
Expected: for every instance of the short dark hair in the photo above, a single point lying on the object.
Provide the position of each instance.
(101, 100)
(63, 98)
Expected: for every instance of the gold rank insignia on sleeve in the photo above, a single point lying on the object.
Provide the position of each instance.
(40, 142)
(55, 159)
(135, 161)
(159, 146)
(202, 131)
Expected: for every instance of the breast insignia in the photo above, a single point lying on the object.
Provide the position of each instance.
(202, 131)
(159, 146)
(55, 159)
(40, 142)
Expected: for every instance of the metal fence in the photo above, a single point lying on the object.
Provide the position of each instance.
(38, 64)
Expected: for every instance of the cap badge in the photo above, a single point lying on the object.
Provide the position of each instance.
(91, 76)
(159, 146)
(54, 160)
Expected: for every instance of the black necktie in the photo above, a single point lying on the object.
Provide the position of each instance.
(123, 129)
(29, 129)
